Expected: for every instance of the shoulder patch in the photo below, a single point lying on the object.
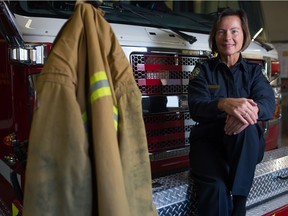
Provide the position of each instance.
(194, 73)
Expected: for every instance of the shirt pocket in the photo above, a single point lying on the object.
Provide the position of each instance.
(216, 91)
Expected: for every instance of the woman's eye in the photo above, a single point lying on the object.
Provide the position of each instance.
(221, 32)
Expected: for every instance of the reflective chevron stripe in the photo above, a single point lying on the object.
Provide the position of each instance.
(115, 111)
(99, 87)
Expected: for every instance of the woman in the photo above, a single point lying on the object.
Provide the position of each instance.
(227, 96)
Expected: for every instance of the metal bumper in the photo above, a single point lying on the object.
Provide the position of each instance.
(173, 194)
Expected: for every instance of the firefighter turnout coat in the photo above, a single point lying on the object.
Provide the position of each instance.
(88, 151)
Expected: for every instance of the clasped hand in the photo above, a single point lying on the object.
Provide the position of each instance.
(241, 112)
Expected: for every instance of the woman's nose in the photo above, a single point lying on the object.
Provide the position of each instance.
(228, 35)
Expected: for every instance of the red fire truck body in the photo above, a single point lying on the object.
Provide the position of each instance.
(162, 61)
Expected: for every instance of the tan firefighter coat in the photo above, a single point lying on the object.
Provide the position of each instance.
(87, 150)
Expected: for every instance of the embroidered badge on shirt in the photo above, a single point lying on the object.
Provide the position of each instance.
(194, 73)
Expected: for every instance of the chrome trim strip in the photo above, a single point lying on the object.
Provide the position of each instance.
(156, 156)
(5, 171)
(31, 54)
(275, 121)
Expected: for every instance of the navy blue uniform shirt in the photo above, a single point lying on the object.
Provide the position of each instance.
(212, 80)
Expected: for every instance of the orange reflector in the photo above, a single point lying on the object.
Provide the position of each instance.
(277, 111)
(8, 140)
(275, 68)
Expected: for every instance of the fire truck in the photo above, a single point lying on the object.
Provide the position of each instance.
(163, 41)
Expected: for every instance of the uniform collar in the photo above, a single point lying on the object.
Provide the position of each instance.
(216, 62)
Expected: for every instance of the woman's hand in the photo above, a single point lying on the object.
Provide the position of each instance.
(234, 126)
(243, 109)
(241, 112)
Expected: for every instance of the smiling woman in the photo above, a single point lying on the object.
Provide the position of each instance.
(162, 64)
(229, 114)
(229, 39)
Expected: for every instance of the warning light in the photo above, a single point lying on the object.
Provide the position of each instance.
(9, 140)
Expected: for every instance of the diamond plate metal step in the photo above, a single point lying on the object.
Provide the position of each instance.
(173, 195)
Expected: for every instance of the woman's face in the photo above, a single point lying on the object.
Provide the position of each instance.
(229, 36)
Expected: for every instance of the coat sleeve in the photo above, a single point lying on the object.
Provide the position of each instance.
(58, 179)
(133, 148)
(132, 139)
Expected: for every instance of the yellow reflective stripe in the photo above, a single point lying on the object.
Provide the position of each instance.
(99, 86)
(100, 75)
(102, 92)
(115, 111)
(15, 210)
(84, 117)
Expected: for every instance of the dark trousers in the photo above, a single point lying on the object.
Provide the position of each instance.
(222, 167)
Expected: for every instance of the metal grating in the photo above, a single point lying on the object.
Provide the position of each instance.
(162, 73)
(161, 76)
(167, 131)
